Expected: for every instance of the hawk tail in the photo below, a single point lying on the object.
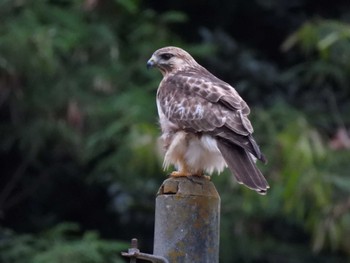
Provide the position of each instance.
(243, 167)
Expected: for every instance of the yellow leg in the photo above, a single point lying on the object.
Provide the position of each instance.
(185, 173)
(183, 170)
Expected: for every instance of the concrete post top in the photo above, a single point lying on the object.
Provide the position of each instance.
(188, 186)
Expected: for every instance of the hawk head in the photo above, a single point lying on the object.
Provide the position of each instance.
(171, 59)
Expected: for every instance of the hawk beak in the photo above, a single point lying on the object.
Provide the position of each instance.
(151, 62)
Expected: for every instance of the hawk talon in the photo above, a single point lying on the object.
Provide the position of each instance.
(208, 177)
(180, 174)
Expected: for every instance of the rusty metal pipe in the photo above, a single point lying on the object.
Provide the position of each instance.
(187, 221)
(134, 254)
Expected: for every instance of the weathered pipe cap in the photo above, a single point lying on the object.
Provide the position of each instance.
(187, 220)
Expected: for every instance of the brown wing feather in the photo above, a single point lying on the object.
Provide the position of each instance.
(188, 110)
(200, 102)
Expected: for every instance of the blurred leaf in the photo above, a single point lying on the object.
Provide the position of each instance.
(174, 17)
(131, 6)
(60, 244)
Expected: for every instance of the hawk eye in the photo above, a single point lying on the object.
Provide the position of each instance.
(166, 56)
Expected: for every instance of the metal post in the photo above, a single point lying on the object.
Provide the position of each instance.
(187, 221)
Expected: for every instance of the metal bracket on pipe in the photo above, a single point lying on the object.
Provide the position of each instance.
(134, 253)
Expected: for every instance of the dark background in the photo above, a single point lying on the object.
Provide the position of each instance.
(79, 167)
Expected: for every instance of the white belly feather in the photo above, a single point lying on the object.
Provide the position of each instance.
(188, 151)
(195, 154)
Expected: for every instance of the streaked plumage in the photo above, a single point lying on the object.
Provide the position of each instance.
(204, 121)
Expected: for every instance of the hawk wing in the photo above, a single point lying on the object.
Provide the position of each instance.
(202, 103)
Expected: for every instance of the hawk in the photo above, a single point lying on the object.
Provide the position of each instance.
(204, 122)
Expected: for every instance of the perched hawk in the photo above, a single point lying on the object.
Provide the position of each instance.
(204, 121)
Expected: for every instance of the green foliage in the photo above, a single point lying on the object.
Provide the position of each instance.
(62, 243)
(72, 84)
(81, 79)
(78, 127)
(324, 75)
(327, 39)
(77, 109)
(307, 173)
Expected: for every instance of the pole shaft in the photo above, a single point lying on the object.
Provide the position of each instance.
(187, 221)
